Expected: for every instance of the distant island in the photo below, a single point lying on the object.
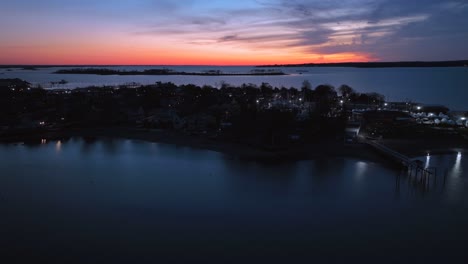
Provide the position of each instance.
(400, 64)
(100, 71)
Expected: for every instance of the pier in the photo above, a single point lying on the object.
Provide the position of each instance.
(423, 177)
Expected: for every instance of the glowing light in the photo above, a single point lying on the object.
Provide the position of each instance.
(419, 107)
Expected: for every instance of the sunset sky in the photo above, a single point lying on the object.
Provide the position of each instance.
(225, 32)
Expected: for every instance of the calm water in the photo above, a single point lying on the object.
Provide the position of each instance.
(113, 201)
(425, 85)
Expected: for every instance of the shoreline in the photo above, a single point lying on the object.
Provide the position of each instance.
(419, 148)
(309, 151)
(161, 72)
(326, 149)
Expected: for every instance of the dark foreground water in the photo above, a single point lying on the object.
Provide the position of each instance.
(122, 201)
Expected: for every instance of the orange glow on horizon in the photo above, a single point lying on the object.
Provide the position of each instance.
(137, 54)
(166, 58)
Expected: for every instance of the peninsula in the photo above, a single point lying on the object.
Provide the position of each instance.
(247, 120)
(105, 71)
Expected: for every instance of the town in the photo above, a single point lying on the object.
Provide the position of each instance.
(265, 117)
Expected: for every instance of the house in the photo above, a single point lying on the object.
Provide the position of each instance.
(200, 122)
(164, 118)
(435, 109)
(13, 85)
(387, 117)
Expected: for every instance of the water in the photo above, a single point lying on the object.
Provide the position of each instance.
(445, 86)
(456, 170)
(108, 201)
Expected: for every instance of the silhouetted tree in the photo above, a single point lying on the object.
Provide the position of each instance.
(346, 91)
(325, 95)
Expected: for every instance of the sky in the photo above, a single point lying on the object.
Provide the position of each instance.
(231, 32)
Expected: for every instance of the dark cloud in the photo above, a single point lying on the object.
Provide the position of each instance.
(384, 29)
(207, 21)
(228, 38)
(259, 38)
(395, 28)
(312, 37)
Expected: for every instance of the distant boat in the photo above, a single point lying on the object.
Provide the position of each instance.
(302, 71)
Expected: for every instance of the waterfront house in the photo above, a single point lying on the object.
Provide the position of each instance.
(387, 117)
(428, 109)
(164, 118)
(200, 123)
(14, 84)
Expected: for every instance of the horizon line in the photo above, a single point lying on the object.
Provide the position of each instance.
(226, 65)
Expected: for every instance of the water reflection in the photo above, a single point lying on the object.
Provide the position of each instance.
(58, 146)
(87, 144)
(457, 170)
(184, 194)
(428, 161)
(110, 146)
(361, 168)
(249, 177)
(449, 170)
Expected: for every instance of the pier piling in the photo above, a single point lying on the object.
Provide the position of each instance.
(418, 174)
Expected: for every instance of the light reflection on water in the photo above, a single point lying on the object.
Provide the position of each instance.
(145, 192)
(361, 168)
(451, 167)
(457, 169)
(428, 161)
(58, 146)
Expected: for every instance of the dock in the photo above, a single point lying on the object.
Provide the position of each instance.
(417, 173)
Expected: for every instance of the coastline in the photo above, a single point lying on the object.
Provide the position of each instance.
(162, 72)
(419, 147)
(318, 150)
(323, 149)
